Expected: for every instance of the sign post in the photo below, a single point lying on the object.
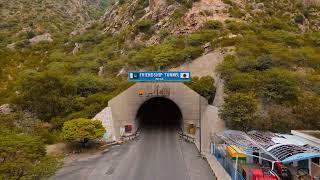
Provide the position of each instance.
(158, 76)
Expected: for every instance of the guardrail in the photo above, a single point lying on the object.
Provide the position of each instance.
(131, 136)
(186, 137)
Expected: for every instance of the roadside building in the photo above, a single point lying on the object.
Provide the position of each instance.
(267, 155)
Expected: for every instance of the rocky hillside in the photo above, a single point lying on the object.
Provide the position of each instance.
(25, 23)
(165, 17)
(24, 19)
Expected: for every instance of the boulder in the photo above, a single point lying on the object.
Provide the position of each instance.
(40, 38)
(76, 49)
(11, 46)
(260, 5)
(5, 109)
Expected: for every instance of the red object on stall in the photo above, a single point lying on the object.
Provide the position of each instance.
(270, 177)
(257, 174)
(278, 167)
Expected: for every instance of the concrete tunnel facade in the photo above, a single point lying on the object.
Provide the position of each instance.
(123, 110)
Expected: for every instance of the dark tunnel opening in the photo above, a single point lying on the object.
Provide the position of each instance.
(159, 112)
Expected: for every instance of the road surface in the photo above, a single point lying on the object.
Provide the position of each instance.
(158, 154)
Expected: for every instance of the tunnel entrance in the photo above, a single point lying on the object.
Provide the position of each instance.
(159, 112)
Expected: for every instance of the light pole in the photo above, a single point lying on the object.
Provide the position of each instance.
(200, 142)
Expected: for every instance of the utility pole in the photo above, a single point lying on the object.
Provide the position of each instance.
(200, 141)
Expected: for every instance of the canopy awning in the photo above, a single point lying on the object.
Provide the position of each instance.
(300, 157)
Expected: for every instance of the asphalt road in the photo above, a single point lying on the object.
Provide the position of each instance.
(158, 154)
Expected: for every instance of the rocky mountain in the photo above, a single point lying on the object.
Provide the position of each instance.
(187, 16)
(164, 17)
(24, 19)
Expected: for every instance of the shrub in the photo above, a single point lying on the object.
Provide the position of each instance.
(144, 25)
(165, 55)
(307, 111)
(236, 27)
(177, 14)
(89, 84)
(242, 82)
(313, 38)
(278, 24)
(23, 157)
(46, 94)
(278, 85)
(247, 64)
(227, 67)
(82, 130)
(264, 62)
(236, 12)
(203, 86)
(213, 24)
(299, 19)
(279, 119)
(239, 111)
(197, 39)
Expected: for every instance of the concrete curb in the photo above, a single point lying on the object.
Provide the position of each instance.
(219, 171)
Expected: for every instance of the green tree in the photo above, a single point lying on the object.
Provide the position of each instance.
(264, 62)
(278, 119)
(144, 25)
(47, 94)
(239, 111)
(165, 55)
(213, 24)
(89, 84)
(23, 157)
(278, 85)
(242, 82)
(307, 111)
(204, 86)
(82, 130)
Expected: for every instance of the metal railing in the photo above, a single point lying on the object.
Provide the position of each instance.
(186, 137)
(131, 136)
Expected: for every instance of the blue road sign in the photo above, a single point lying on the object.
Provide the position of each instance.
(158, 76)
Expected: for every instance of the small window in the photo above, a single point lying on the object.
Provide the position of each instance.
(128, 128)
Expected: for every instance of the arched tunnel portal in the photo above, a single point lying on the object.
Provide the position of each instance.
(153, 105)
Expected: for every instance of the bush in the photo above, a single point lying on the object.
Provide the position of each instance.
(89, 84)
(144, 25)
(82, 130)
(264, 62)
(242, 82)
(198, 39)
(166, 55)
(236, 12)
(299, 19)
(213, 24)
(278, 85)
(313, 38)
(203, 86)
(307, 111)
(46, 94)
(239, 111)
(23, 157)
(279, 119)
(227, 67)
